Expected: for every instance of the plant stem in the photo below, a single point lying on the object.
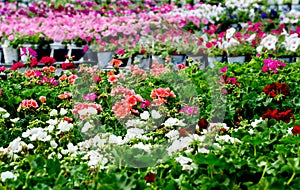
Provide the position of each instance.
(254, 150)
(292, 177)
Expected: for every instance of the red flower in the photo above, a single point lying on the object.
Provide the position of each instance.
(33, 62)
(182, 132)
(47, 60)
(209, 45)
(276, 88)
(16, 65)
(116, 63)
(150, 177)
(97, 79)
(296, 130)
(66, 66)
(284, 116)
(202, 124)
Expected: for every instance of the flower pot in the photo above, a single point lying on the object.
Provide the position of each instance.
(126, 62)
(10, 54)
(236, 59)
(75, 51)
(58, 51)
(158, 59)
(203, 59)
(286, 59)
(295, 7)
(212, 60)
(284, 8)
(3, 76)
(25, 57)
(143, 61)
(42, 52)
(104, 58)
(178, 59)
(90, 57)
(1, 55)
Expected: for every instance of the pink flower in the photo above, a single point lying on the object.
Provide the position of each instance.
(86, 47)
(145, 103)
(91, 97)
(120, 51)
(224, 69)
(26, 104)
(2, 68)
(181, 66)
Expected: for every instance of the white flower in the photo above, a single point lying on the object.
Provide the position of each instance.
(64, 126)
(7, 175)
(269, 42)
(52, 121)
(233, 42)
(251, 131)
(6, 115)
(87, 126)
(15, 120)
(259, 49)
(230, 32)
(290, 130)
(173, 134)
(53, 144)
(36, 134)
(145, 115)
(227, 139)
(145, 147)
(134, 123)
(95, 159)
(252, 37)
(63, 111)
(155, 114)
(183, 160)
(256, 121)
(53, 112)
(203, 150)
(113, 139)
(173, 121)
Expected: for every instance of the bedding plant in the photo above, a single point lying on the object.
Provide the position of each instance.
(156, 129)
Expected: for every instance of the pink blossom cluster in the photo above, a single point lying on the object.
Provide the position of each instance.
(26, 104)
(272, 65)
(159, 95)
(157, 69)
(65, 95)
(91, 97)
(121, 90)
(189, 110)
(136, 71)
(126, 106)
(86, 109)
(52, 81)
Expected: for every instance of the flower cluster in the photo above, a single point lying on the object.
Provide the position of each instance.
(284, 116)
(276, 89)
(47, 60)
(296, 130)
(272, 65)
(27, 104)
(157, 69)
(189, 110)
(126, 106)
(65, 95)
(85, 109)
(159, 95)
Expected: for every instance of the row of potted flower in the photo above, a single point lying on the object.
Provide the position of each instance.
(92, 128)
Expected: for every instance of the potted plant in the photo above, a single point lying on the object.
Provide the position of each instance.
(215, 53)
(238, 53)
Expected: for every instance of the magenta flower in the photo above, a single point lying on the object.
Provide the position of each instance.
(2, 68)
(145, 103)
(224, 69)
(120, 51)
(91, 97)
(85, 48)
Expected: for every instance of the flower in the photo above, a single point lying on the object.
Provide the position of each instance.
(2, 68)
(42, 99)
(91, 97)
(16, 65)
(145, 115)
(150, 177)
(65, 95)
(47, 60)
(27, 104)
(276, 88)
(285, 116)
(296, 130)
(224, 69)
(7, 175)
(269, 42)
(116, 63)
(202, 124)
(145, 103)
(181, 66)
(66, 66)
